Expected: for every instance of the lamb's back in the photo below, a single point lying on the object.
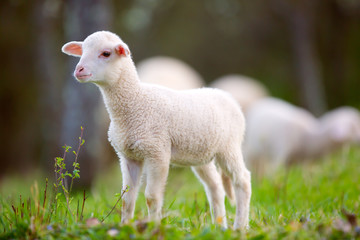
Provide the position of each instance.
(200, 122)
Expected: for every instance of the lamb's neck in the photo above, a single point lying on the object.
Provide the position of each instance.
(121, 97)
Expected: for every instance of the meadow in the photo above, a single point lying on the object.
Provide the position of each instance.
(319, 200)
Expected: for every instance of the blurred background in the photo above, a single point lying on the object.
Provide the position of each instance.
(304, 51)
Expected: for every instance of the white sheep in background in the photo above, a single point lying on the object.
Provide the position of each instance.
(169, 72)
(245, 90)
(345, 124)
(279, 133)
(152, 127)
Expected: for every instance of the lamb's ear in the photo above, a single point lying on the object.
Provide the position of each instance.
(72, 49)
(122, 50)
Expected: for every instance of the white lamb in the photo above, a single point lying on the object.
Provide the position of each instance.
(153, 127)
(279, 133)
(245, 90)
(169, 72)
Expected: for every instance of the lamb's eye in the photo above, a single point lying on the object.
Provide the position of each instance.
(106, 54)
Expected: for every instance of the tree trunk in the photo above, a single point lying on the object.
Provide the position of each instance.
(306, 60)
(50, 78)
(81, 102)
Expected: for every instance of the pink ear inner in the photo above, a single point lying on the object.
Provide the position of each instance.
(121, 50)
(74, 49)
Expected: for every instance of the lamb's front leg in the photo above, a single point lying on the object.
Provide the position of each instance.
(131, 173)
(156, 171)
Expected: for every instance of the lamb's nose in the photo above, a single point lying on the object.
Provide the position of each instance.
(81, 72)
(79, 69)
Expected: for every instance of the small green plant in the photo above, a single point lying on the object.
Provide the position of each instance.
(30, 216)
(37, 216)
(61, 174)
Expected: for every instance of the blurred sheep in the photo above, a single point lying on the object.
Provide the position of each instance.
(345, 122)
(245, 90)
(169, 72)
(279, 133)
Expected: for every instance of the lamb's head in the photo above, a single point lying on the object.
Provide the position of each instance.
(102, 55)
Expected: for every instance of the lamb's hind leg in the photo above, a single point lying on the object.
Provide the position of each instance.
(211, 180)
(229, 190)
(131, 173)
(234, 167)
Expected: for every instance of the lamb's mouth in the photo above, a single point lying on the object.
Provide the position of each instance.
(83, 77)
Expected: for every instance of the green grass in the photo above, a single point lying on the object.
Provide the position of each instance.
(313, 201)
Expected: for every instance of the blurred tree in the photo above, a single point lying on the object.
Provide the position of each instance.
(300, 16)
(47, 18)
(339, 30)
(18, 92)
(83, 17)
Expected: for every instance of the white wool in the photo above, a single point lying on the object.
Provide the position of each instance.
(245, 90)
(164, 71)
(279, 133)
(169, 72)
(152, 127)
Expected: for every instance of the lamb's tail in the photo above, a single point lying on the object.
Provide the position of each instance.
(229, 190)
